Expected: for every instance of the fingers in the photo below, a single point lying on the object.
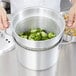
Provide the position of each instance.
(71, 18)
(3, 19)
(1, 25)
(74, 23)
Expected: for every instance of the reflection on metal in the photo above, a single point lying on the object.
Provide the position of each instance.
(66, 66)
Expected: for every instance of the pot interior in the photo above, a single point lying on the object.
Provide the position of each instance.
(37, 22)
(48, 20)
(30, 18)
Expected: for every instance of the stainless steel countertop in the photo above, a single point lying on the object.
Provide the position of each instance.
(66, 66)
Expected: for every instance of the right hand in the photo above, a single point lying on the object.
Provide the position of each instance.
(3, 19)
(72, 16)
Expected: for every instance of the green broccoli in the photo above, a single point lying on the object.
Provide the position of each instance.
(37, 34)
(44, 35)
(51, 35)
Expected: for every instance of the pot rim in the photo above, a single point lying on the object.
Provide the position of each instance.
(39, 49)
(28, 8)
(41, 46)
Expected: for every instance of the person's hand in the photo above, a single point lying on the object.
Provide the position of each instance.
(3, 19)
(72, 17)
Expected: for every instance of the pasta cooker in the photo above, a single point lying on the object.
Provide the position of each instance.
(38, 55)
(35, 17)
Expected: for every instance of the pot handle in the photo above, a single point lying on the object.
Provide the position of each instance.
(3, 32)
(68, 39)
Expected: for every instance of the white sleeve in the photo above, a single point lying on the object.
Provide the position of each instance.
(70, 0)
(0, 0)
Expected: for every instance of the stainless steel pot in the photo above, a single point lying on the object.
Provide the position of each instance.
(7, 43)
(38, 55)
(38, 60)
(36, 17)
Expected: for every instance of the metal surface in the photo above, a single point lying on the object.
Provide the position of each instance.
(6, 42)
(36, 17)
(68, 37)
(36, 55)
(38, 60)
(9, 65)
(66, 66)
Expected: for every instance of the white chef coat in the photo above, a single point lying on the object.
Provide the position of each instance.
(17, 5)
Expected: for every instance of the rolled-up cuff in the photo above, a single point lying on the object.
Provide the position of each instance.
(70, 0)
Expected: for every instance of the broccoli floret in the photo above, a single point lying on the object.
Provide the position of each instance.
(24, 36)
(37, 34)
(44, 35)
(33, 31)
(51, 35)
(31, 37)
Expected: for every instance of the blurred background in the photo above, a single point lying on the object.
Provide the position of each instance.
(65, 5)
